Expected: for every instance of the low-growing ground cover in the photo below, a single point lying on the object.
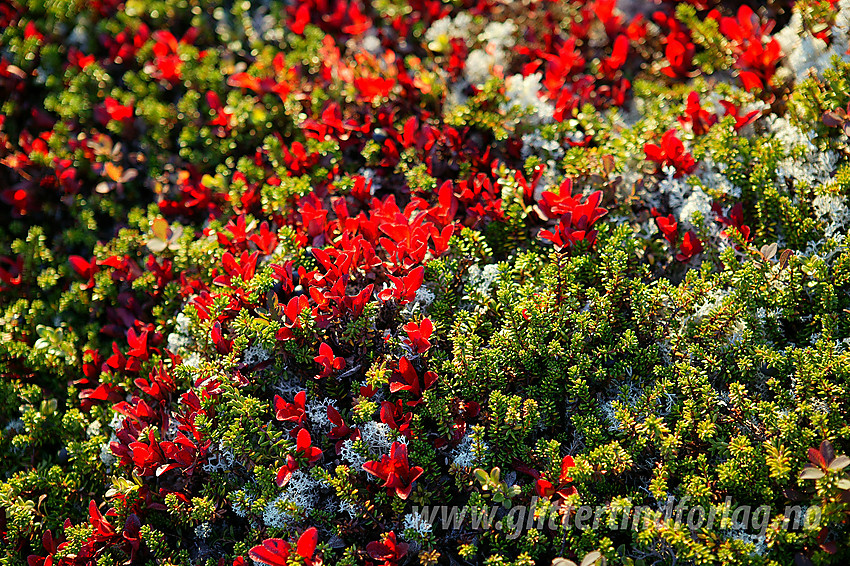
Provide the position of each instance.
(418, 282)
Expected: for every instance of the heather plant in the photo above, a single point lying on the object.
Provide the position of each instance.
(424, 282)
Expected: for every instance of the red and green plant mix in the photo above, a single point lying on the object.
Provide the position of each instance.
(276, 276)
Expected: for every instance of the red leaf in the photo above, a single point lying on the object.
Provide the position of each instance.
(307, 542)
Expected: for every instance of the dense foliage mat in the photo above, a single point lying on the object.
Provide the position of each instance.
(422, 282)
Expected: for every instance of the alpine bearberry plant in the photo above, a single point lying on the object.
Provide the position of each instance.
(304, 282)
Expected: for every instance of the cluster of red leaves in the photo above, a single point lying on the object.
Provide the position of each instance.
(104, 535)
(577, 215)
(561, 487)
(756, 53)
(395, 471)
(690, 244)
(276, 552)
(671, 153)
(698, 120)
